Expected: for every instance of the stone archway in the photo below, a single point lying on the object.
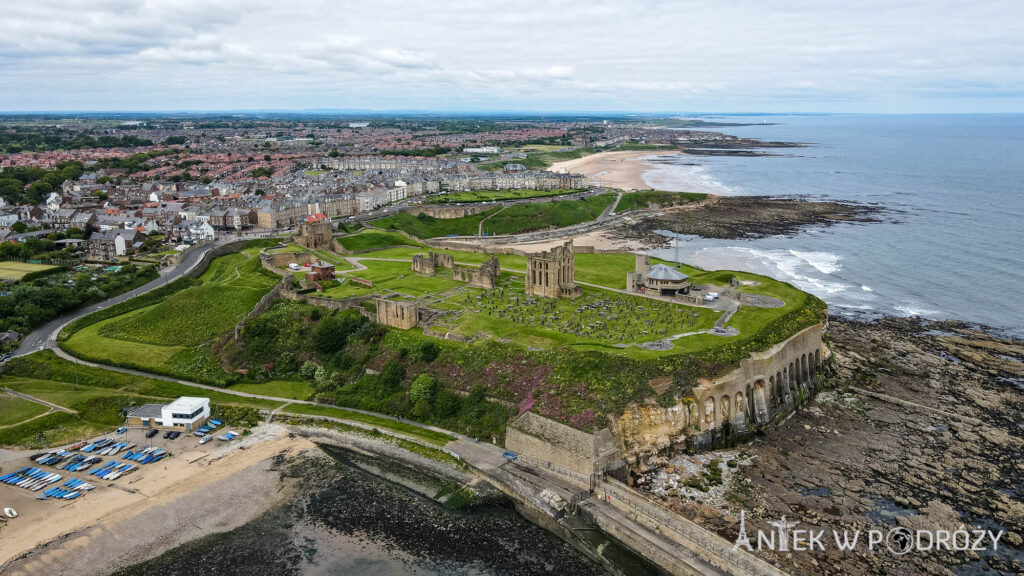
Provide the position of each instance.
(709, 412)
(793, 376)
(726, 409)
(741, 407)
(749, 397)
(760, 406)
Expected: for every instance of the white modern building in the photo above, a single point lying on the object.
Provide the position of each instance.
(187, 412)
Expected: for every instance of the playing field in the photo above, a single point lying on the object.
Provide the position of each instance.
(14, 271)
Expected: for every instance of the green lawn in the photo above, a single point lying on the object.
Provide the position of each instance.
(392, 276)
(14, 410)
(94, 342)
(169, 335)
(291, 247)
(424, 226)
(13, 271)
(373, 239)
(280, 388)
(521, 218)
(513, 219)
(495, 195)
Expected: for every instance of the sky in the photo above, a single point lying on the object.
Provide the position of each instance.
(909, 56)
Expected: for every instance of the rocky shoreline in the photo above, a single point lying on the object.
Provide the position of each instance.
(922, 429)
(746, 217)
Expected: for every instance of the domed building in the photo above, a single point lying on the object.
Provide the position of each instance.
(659, 279)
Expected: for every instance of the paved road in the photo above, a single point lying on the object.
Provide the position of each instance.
(46, 335)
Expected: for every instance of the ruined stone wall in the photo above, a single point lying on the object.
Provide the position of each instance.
(403, 315)
(486, 276)
(423, 264)
(283, 259)
(262, 306)
(443, 260)
(546, 440)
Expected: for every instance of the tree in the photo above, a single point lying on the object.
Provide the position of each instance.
(333, 153)
(18, 227)
(308, 369)
(423, 389)
(37, 192)
(266, 157)
(391, 375)
(429, 351)
(447, 404)
(333, 332)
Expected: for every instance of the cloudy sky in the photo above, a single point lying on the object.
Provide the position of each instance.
(551, 55)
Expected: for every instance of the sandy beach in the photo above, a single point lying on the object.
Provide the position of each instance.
(194, 493)
(612, 169)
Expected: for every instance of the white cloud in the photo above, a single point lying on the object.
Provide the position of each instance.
(553, 55)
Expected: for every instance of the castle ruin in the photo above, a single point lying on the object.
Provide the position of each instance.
(486, 276)
(397, 313)
(428, 265)
(550, 274)
(316, 235)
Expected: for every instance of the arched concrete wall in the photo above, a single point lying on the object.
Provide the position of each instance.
(769, 382)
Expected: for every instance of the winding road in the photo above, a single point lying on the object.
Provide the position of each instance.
(45, 336)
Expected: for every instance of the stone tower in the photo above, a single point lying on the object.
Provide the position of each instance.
(643, 263)
(551, 274)
(315, 235)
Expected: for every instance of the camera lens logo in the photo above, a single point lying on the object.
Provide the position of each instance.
(899, 541)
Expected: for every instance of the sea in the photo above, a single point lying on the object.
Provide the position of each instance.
(951, 241)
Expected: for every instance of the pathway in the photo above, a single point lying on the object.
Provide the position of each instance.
(51, 406)
(480, 228)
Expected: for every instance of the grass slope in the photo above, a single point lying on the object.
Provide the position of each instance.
(373, 239)
(229, 289)
(99, 395)
(14, 410)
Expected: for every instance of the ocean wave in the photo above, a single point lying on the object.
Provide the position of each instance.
(793, 268)
(854, 306)
(672, 176)
(909, 311)
(866, 288)
(825, 262)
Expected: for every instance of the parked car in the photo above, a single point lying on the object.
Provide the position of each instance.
(168, 434)
(152, 433)
(174, 435)
(122, 430)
